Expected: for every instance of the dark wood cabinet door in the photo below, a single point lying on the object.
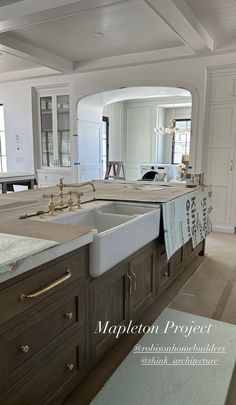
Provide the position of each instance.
(108, 299)
(142, 273)
(176, 262)
(163, 272)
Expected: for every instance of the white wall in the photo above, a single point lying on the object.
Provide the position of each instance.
(187, 73)
(132, 136)
(115, 113)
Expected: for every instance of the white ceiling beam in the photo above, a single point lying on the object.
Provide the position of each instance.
(133, 59)
(34, 54)
(26, 18)
(178, 15)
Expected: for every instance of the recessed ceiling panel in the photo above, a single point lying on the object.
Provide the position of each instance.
(122, 28)
(217, 16)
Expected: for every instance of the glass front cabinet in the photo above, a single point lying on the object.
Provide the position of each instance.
(54, 137)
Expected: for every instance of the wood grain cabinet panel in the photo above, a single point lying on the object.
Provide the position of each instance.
(163, 273)
(37, 279)
(176, 262)
(107, 303)
(28, 343)
(65, 365)
(142, 273)
(46, 335)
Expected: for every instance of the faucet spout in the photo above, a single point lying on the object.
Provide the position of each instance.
(78, 185)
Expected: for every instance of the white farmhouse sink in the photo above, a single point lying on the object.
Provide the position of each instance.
(122, 229)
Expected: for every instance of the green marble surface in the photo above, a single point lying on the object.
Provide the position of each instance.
(136, 384)
(14, 248)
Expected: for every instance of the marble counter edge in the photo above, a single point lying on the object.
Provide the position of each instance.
(30, 262)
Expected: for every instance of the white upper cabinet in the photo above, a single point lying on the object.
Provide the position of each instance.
(221, 150)
(54, 130)
(53, 138)
(223, 88)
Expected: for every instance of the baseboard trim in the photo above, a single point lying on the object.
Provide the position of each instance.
(223, 228)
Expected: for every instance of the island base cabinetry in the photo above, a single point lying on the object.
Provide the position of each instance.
(53, 334)
(43, 347)
(120, 295)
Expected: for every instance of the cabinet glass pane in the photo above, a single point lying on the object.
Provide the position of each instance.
(63, 131)
(46, 131)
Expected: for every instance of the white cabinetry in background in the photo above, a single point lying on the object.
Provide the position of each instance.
(221, 147)
(53, 136)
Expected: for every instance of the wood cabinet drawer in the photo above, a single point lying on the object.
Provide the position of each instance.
(49, 278)
(26, 344)
(62, 366)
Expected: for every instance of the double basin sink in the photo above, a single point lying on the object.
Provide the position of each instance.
(121, 229)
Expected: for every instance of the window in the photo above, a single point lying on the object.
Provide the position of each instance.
(3, 157)
(55, 131)
(105, 143)
(181, 141)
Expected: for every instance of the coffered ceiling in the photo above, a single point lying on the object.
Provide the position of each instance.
(66, 36)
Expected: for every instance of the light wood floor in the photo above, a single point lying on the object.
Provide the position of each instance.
(210, 291)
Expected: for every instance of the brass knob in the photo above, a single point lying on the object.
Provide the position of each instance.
(24, 349)
(69, 315)
(70, 366)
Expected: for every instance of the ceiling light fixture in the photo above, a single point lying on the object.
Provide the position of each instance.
(98, 34)
(172, 130)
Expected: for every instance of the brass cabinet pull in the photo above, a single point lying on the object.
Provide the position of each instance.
(24, 348)
(69, 315)
(48, 288)
(135, 281)
(165, 273)
(231, 165)
(70, 366)
(130, 283)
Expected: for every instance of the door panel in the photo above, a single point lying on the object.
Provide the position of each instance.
(220, 170)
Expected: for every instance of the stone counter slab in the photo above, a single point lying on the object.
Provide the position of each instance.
(48, 231)
(14, 248)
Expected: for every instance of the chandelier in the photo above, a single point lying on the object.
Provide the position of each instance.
(171, 130)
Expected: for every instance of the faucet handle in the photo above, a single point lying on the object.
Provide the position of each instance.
(70, 201)
(61, 184)
(78, 195)
(51, 205)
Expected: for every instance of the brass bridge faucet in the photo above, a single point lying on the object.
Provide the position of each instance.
(62, 185)
(70, 202)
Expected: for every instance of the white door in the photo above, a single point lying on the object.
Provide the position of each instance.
(89, 151)
(221, 157)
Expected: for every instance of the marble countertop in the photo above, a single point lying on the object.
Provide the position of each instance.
(25, 251)
(19, 254)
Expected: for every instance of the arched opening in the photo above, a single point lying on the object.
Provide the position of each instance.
(132, 136)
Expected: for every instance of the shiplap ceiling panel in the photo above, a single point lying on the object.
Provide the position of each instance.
(10, 63)
(126, 27)
(217, 16)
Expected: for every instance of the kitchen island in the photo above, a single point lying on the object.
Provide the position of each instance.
(50, 303)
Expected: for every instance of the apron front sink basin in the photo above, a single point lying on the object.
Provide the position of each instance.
(122, 229)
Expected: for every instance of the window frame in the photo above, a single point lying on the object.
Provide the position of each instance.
(173, 138)
(3, 167)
